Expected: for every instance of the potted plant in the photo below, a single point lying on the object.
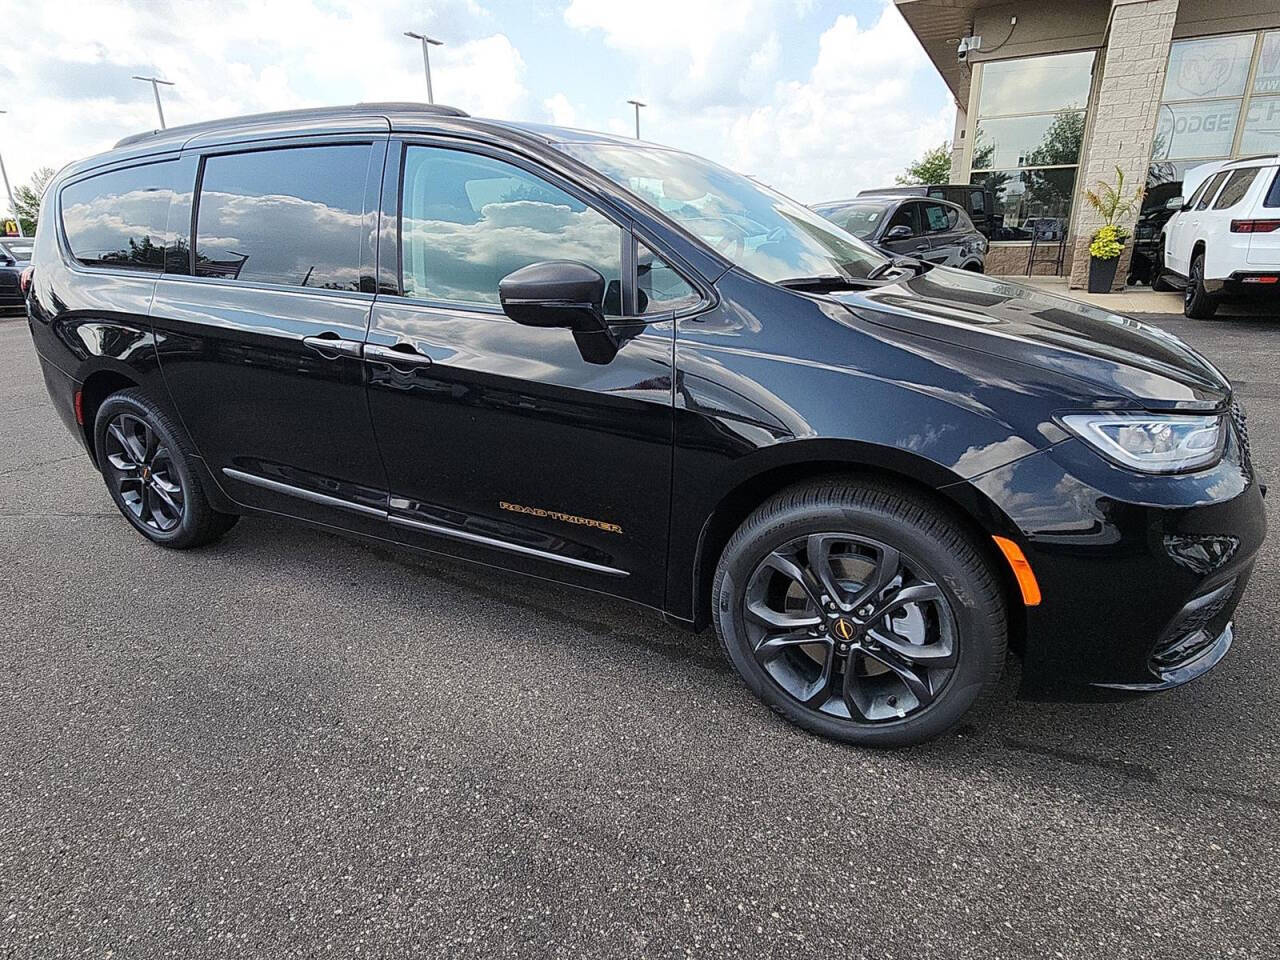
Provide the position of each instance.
(1107, 243)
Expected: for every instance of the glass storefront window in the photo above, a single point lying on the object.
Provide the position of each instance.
(1203, 129)
(1026, 145)
(1261, 127)
(1267, 78)
(1036, 84)
(1212, 67)
(1025, 198)
(1036, 141)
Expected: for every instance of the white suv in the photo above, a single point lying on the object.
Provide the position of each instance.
(1226, 239)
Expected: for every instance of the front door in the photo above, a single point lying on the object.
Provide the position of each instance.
(501, 443)
(260, 326)
(941, 227)
(915, 245)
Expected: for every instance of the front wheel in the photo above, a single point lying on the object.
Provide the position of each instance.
(860, 612)
(1197, 302)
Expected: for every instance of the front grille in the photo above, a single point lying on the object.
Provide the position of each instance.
(1193, 631)
(1239, 419)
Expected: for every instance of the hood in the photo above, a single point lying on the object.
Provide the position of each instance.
(1123, 361)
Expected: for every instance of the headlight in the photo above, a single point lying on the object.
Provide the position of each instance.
(1153, 442)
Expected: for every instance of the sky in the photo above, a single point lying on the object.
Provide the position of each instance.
(817, 98)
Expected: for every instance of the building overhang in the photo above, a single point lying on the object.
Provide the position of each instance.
(939, 25)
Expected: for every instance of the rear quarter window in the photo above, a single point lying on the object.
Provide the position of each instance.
(117, 219)
(1273, 195)
(1237, 186)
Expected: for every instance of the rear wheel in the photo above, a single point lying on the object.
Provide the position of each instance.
(860, 612)
(147, 466)
(1157, 278)
(1197, 302)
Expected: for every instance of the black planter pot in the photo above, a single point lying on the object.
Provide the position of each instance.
(1102, 274)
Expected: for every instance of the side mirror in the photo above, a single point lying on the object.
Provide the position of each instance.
(900, 232)
(1177, 203)
(561, 293)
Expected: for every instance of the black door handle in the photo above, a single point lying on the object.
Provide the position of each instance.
(331, 346)
(402, 356)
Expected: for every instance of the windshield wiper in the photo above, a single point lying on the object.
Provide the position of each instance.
(825, 281)
(898, 263)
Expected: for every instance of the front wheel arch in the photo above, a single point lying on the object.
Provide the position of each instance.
(966, 504)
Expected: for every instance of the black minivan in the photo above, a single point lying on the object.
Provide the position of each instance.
(611, 364)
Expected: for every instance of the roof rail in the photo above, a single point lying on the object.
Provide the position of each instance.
(393, 106)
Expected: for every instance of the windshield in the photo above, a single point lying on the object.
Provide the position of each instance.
(860, 219)
(755, 227)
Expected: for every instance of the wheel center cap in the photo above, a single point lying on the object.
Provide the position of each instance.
(146, 473)
(844, 628)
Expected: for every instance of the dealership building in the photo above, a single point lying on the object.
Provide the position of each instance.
(1053, 95)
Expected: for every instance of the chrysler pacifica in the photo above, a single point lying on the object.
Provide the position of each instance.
(622, 367)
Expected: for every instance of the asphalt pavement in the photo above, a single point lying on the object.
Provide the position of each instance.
(296, 744)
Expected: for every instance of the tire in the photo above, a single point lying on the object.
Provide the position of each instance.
(146, 463)
(960, 622)
(1197, 302)
(1157, 278)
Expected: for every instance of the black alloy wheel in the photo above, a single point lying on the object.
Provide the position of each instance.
(149, 470)
(861, 611)
(142, 470)
(850, 627)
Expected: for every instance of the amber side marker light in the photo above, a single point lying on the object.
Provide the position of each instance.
(1021, 571)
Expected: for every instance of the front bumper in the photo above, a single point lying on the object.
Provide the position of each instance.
(1140, 575)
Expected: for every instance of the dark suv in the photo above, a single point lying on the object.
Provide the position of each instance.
(606, 363)
(932, 230)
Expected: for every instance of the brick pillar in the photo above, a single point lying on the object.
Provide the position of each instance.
(1124, 116)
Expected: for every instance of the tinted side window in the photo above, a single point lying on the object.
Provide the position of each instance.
(659, 289)
(937, 218)
(118, 219)
(292, 216)
(1273, 195)
(468, 220)
(905, 217)
(977, 201)
(1236, 188)
(1195, 197)
(1211, 189)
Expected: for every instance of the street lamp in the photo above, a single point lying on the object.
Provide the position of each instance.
(638, 105)
(155, 89)
(17, 217)
(426, 60)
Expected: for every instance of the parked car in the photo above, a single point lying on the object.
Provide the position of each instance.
(15, 255)
(623, 367)
(1145, 264)
(932, 230)
(975, 200)
(1225, 240)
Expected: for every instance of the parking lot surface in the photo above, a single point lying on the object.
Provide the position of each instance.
(295, 744)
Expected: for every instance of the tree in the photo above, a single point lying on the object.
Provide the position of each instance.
(27, 199)
(933, 167)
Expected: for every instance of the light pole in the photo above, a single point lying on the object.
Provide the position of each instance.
(155, 89)
(427, 42)
(638, 105)
(17, 217)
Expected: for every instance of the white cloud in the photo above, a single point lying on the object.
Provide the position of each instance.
(732, 86)
(73, 96)
(688, 52)
(560, 111)
(849, 124)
